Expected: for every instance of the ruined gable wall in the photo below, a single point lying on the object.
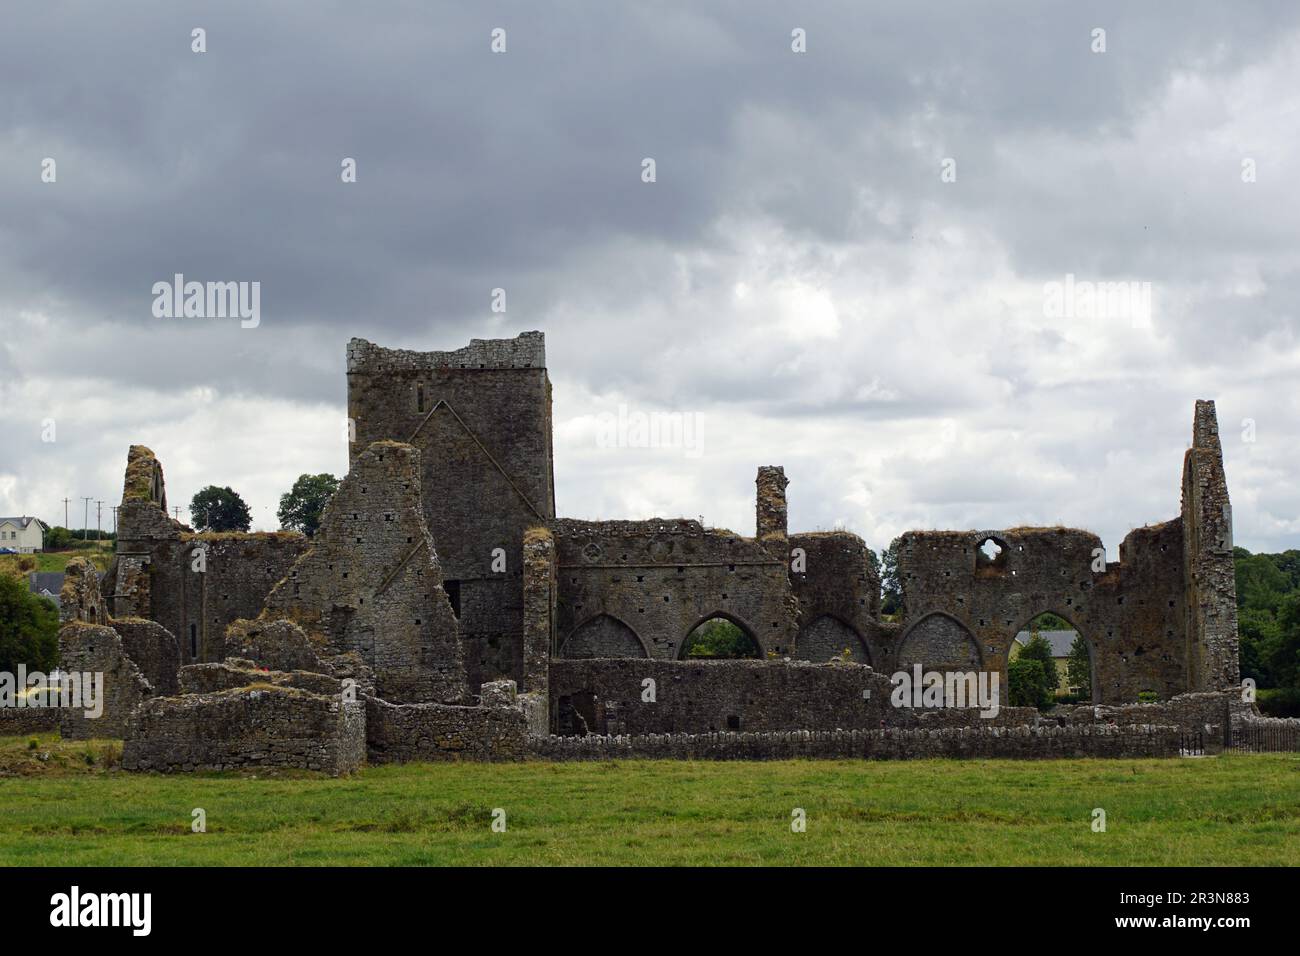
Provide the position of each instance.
(371, 582)
(481, 417)
(661, 577)
(1211, 588)
(1124, 612)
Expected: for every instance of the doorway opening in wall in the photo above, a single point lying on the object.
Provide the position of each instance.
(194, 642)
(1049, 663)
(453, 595)
(719, 638)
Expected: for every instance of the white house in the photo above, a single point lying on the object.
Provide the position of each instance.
(24, 535)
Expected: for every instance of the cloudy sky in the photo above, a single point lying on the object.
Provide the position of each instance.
(848, 263)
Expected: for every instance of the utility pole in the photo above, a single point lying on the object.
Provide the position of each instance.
(115, 507)
(177, 512)
(65, 512)
(85, 521)
(99, 518)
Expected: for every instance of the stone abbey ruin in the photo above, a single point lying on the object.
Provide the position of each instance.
(445, 610)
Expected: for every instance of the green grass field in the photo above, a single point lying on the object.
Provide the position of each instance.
(65, 803)
(99, 554)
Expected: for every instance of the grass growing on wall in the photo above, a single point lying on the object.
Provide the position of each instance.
(73, 807)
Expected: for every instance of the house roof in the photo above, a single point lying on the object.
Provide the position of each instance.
(1060, 640)
(22, 522)
(47, 584)
(51, 581)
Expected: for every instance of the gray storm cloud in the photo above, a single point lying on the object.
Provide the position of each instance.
(798, 276)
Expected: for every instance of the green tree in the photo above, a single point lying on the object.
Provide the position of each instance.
(1038, 649)
(302, 505)
(58, 538)
(29, 628)
(1284, 654)
(1078, 668)
(891, 589)
(1026, 682)
(718, 638)
(219, 509)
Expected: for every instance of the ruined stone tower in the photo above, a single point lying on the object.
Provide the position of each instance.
(481, 419)
(770, 522)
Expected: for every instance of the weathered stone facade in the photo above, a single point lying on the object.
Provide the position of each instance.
(254, 726)
(279, 645)
(441, 577)
(661, 578)
(80, 598)
(397, 733)
(1209, 574)
(153, 649)
(194, 585)
(93, 649)
(666, 697)
(481, 418)
(371, 584)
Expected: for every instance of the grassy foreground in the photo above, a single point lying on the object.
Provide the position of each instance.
(65, 803)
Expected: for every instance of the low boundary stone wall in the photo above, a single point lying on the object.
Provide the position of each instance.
(1206, 713)
(15, 721)
(1101, 740)
(396, 733)
(1255, 734)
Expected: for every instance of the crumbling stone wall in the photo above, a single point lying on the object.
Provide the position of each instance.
(1161, 620)
(236, 672)
(29, 720)
(371, 582)
(512, 592)
(254, 726)
(279, 645)
(80, 598)
(153, 650)
(964, 614)
(397, 733)
(96, 649)
(660, 578)
(481, 418)
(1207, 713)
(1016, 743)
(770, 511)
(838, 592)
(610, 696)
(194, 585)
(1209, 570)
(540, 596)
